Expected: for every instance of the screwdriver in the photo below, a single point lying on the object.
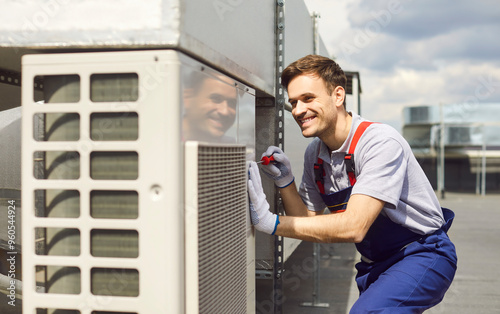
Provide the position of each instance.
(266, 160)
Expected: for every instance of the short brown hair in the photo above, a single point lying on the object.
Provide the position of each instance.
(324, 67)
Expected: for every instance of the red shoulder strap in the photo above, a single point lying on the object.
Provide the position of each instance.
(349, 157)
(357, 135)
(319, 172)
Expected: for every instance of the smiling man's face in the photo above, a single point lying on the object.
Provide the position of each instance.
(211, 111)
(312, 106)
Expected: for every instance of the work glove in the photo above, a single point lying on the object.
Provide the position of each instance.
(262, 218)
(279, 170)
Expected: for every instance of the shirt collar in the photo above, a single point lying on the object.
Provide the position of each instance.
(324, 151)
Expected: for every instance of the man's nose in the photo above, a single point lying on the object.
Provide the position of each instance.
(300, 108)
(224, 108)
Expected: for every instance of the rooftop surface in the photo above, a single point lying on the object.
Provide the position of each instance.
(475, 289)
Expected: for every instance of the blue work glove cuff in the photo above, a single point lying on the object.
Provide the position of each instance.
(282, 187)
(276, 225)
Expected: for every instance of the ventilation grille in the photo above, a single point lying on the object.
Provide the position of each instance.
(76, 216)
(222, 229)
(419, 114)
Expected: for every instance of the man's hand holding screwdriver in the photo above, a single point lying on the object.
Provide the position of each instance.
(276, 165)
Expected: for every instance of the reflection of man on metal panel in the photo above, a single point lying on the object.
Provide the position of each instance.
(209, 108)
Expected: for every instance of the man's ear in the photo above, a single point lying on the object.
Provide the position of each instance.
(187, 95)
(339, 96)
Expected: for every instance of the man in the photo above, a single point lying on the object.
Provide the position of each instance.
(209, 108)
(379, 197)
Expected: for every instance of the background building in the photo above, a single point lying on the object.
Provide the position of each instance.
(469, 136)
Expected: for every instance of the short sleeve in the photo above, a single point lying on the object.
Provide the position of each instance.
(381, 165)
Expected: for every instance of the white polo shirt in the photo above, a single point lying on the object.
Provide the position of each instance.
(386, 169)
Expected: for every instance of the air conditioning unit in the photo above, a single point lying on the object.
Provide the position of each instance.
(134, 185)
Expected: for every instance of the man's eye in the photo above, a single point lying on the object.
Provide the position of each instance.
(216, 98)
(231, 103)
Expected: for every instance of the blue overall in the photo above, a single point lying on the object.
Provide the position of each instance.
(399, 268)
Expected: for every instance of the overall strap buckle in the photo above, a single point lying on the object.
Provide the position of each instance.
(319, 175)
(350, 168)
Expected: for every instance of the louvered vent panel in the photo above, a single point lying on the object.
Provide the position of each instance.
(76, 217)
(221, 229)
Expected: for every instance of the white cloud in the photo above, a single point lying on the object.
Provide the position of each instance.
(462, 82)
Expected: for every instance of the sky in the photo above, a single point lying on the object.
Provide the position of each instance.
(411, 53)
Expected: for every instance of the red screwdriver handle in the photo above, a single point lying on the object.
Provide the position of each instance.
(266, 160)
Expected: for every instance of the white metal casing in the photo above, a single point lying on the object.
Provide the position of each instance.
(160, 182)
(235, 36)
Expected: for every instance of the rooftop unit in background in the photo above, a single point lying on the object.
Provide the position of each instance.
(466, 125)
(468, 135)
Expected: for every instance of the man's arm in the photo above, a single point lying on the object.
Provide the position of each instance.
(348, 226)
(293, 204)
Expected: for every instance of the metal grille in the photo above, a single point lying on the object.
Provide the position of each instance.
(419, 114)
(222, 229)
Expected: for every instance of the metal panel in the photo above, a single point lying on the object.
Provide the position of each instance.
(10, 154)
(216, 108)
(295, 145)
(299, 34)
(239, 31)
(234, 36)
(65, 23)
(11, 209)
